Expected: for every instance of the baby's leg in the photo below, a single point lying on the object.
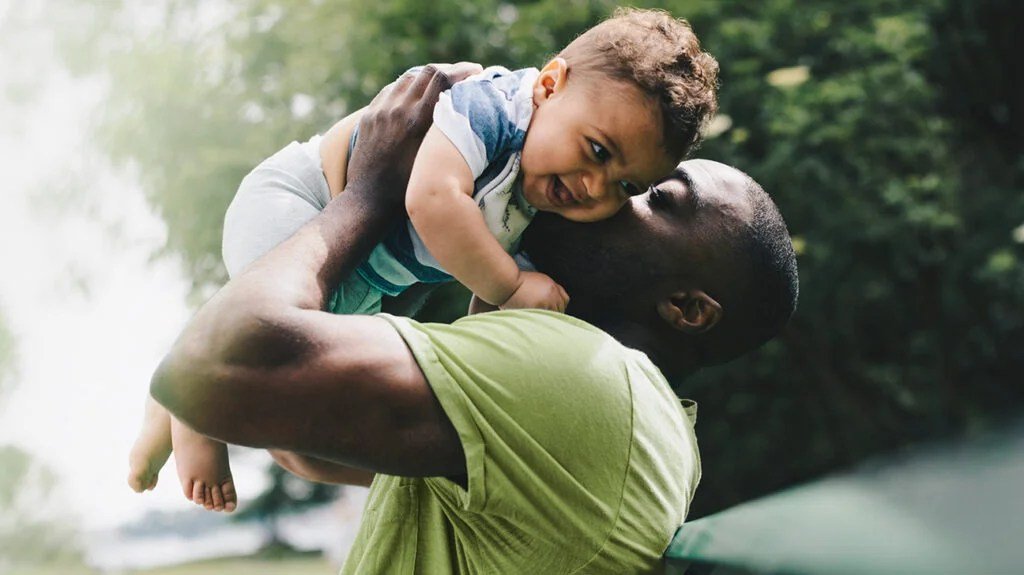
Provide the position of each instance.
(151, 448)
(273, 202)
(203, 469)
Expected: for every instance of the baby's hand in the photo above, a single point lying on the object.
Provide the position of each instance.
(537, 290)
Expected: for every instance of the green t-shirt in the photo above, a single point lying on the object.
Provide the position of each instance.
(579, 457)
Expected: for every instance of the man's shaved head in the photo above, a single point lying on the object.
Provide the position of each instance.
(696, 272)
(765, 286)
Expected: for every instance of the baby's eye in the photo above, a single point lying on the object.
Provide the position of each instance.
(630, 188)
(600, 152)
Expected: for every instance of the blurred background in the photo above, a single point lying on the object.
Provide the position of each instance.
(890, 133)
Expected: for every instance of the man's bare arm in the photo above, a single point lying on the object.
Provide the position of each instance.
(261, 365)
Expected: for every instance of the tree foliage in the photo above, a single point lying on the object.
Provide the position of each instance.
(286, 494)
(27, 537)
(890, 134)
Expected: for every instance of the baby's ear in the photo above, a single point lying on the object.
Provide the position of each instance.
(551, 80)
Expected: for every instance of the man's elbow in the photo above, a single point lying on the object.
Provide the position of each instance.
(185, 371)
(164, 385)
(181, 385)
(202, 374)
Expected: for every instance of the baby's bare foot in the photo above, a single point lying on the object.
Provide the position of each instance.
(151, 448)
(203, 469)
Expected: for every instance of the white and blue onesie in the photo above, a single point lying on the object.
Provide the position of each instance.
(485, 116)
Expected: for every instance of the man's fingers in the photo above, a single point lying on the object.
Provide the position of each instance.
(462, 70)
(400, 86)
(443, 76)
(431, 79)
(426, 85)
(440, 77)
(412, 87)
(446, 75)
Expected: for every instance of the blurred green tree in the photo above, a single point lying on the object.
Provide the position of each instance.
(889, 132)
(7, 355)
(287, 494)
(26, 536)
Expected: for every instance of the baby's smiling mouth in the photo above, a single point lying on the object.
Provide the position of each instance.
(558, 194)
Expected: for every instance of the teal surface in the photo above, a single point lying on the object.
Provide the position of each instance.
(954, 510)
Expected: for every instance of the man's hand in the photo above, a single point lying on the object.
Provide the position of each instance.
(393, 126)
(537, 290)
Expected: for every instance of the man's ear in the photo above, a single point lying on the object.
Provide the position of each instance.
(691, 311)
(551, 80)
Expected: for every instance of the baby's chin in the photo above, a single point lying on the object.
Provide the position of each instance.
(541, 203)
(537, 199)
(572, 213)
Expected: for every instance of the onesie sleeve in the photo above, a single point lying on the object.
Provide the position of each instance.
(479, 116)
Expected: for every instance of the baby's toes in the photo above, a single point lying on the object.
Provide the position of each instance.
(230, 499)
(188, 488)
(198, 491)
(218, 498)
(135, 482)
(208, 499)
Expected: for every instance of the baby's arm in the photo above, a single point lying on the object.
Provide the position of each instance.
(441, 207)
(334, 151)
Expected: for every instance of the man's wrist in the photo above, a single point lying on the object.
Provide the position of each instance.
(379, 194)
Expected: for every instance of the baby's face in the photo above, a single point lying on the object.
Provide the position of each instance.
(589, 148)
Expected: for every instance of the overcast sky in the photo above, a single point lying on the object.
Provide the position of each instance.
(92, 314)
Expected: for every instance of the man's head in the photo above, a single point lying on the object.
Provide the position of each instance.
(614, 112)
(695, 272)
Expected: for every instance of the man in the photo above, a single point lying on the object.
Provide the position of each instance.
(509, 442)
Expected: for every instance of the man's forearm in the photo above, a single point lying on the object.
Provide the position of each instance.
(248, 322)
(256, 324)
(302, 272)
(261, 365)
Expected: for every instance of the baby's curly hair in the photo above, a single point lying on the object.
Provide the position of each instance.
(661, 55)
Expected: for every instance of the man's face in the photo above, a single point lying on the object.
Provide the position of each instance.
(590, 148)
(657, 237)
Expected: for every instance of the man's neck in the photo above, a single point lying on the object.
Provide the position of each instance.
(673, 363)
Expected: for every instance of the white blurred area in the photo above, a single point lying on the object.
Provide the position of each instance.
(92, 313)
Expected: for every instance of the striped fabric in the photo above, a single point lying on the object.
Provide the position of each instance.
(485, 117)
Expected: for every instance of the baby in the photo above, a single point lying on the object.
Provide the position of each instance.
(612, 114)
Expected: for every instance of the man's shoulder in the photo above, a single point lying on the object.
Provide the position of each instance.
(541, 333)
(542, 319)
(544, 355)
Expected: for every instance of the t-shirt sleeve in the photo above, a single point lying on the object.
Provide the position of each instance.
(543, 408)
(477, 117)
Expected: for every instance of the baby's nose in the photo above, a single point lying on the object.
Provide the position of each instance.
(599, 187)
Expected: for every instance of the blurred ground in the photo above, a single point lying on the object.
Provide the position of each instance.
(232, 566)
